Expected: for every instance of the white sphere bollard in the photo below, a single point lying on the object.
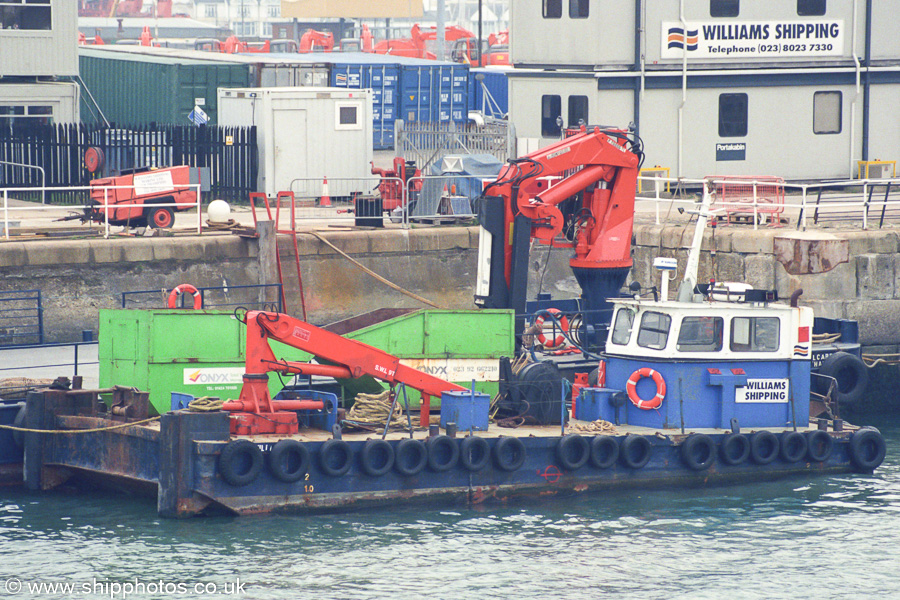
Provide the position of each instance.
(218, 212)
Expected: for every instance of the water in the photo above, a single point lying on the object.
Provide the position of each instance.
(825, 537)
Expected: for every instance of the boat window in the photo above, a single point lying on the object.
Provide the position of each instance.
(654, 331)
(700, 334)
(755, 334)
(621, 332)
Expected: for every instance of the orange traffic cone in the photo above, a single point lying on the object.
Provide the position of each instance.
(325, 199)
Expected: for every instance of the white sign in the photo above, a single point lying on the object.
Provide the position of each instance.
(154, 182)
(763, 390)
(752, 39)
(457, 369)
(214, 376)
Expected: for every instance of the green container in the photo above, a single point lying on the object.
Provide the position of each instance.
(202, 352)
(136, 89)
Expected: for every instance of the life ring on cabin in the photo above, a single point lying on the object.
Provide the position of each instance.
(185, 288)
(560, 322)
(240, 462)
(698, 452)
(376, 457)
(850, 374)
(509, 453)
(288, 460)
(604, 451)
(867, 449)
(410, 457)
(820, 445)
(793, 446)
(443, 453)
(734, 449)
(474, 453)
(631, 387)
(573, 451)
(335, 457)
(635, 451)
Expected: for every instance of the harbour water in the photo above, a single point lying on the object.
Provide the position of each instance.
(826, 537)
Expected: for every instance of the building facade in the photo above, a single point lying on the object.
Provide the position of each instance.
(246, 18)
(801, 89)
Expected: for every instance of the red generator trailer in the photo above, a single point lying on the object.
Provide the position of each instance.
(404, 174)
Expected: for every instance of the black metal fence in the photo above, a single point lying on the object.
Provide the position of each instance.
(252, 297)
(229, 153)
(21, 318)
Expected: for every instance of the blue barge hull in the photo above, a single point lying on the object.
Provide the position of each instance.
(187, 460)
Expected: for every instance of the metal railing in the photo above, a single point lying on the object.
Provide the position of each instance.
(21, 318)
(42, 361)
(36, 168)
(255, 297)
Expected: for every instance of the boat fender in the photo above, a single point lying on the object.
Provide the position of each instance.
(410, 457)
(240, 462)
(698, 451)
(185, 288)
(734, 449)
(793, 446)
(819, 445)
(562, 324)
(635, 451)
(604, 451)
(849, 371)
(443, 453)
(509, 453)
(573, 451)
(376, 457)
(335, 457)
(19, 436)
(867, 449)
(474, 453)
(631, 388)
(288, 460)
(763, 447)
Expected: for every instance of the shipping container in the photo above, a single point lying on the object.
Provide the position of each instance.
(489, 92)
(305, 134)
(136, 88)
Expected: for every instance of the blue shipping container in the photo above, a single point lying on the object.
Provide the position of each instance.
(495, 102)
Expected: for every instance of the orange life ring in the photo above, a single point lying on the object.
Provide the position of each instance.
(563, 324)
(631, 388)
(185, 288)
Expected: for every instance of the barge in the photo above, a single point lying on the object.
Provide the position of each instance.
(711, 390)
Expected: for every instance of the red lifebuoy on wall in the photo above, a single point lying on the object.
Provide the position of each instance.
(185, 288)
(631, 388)
(562, 325)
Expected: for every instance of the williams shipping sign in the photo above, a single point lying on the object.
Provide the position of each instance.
(752, 39)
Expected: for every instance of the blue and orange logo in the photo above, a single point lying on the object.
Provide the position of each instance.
(678, 39)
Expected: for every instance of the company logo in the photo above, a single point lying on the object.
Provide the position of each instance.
(801, 350)
(678, 39)
(213, 376)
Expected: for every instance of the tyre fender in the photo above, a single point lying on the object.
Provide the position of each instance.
(734, 449)
(240, 462)
(793, 447)
(474, 453)
(819, 445)
(867, 449)
(376, 457)
(573, 451)
(335, 457)
(698, 452)
(443, 453)
(410, 457)
(604, 451)
(288, 460)
(764, 447)
(635, 451)
(509, 454)
(851, 374)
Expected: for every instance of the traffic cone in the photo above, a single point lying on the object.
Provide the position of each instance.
(325, 199)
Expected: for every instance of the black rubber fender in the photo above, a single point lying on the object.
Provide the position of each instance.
(240, 462)
(474, 453)
(867, 449)
(698, 452)
(819, 445)
(734, 449)
(604, 451)
(410, 457)
(793, 446)
(376, 457)
(335, 458)
(573, 451)
(764, 447)
(851, 374)
(509, 453)
(635, 451)
(288, 460)
(443, 453)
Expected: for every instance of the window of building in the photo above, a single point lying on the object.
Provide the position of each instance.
(732, 115)
(245, 10)
(700, 334)
(578, 111)
(654, 331)
(552, 9)
(551, 110)
(20, 114)
(826, 112)
(25, 14)
(347, 115)
(274, 11)
(755, 334)
(621, 332)
(579, 9)
(810, 8)
(210, 10)
(724, 8)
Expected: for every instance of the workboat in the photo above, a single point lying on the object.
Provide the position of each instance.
(712, 388)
